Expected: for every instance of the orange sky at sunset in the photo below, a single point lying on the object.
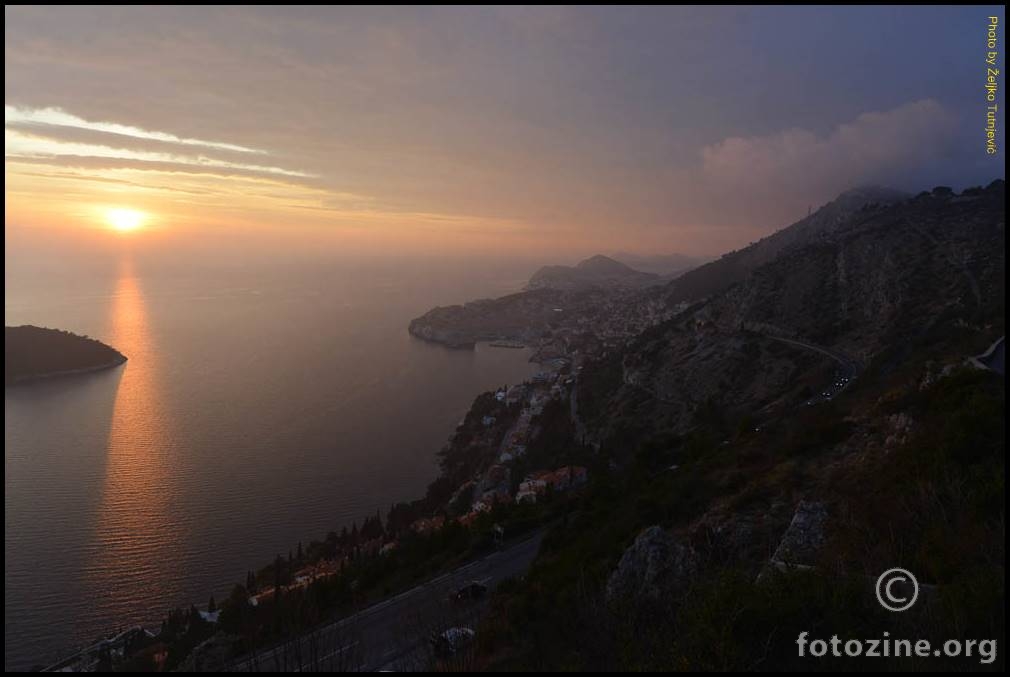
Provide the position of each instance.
(553, 132)
(180, 205)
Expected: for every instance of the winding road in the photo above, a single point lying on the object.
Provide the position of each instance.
(393, 634)
(994, 358)
(850, 366)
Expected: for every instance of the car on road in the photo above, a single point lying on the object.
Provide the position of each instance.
(470, 591)
(451, 641)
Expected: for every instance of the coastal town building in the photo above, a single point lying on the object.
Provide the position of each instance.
(428, 524)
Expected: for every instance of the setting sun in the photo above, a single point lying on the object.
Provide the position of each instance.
(125, 220)
(553, 304)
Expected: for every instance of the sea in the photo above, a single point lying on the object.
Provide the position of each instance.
(261, 405)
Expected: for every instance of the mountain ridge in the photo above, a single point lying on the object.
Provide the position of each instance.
(876, 280)
(734, 266)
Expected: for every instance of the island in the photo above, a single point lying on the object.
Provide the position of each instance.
(36, 352)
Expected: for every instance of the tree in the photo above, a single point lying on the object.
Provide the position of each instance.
(278, 573)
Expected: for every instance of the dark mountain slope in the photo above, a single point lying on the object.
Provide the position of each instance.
(730, 514)
(878, 281)
(737, 265)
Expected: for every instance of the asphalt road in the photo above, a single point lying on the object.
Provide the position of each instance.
(995, 357)
(393, 634)
(997, 361)
(849, 367)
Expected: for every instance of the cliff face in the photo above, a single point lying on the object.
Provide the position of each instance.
(34, 352)
(879, 279)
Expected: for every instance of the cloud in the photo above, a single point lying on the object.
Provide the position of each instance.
(597, 128)
(49, 151)
(55, 117)
(19, 145)
(54, 136)
(747, 186)
(873, 147)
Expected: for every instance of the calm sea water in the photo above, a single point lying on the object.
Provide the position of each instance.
(259, 407)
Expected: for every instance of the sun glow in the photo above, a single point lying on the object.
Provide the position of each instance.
(125, 220)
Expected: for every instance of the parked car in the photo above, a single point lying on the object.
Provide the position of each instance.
(451, 641)
(470, 591)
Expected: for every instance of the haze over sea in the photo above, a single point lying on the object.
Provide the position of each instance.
(262, 405)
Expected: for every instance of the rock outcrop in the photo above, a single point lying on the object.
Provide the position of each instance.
(655, 566)
(804, 538)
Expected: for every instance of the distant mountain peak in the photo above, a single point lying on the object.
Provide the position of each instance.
(668, 265)
(605, 265)
(596, 271)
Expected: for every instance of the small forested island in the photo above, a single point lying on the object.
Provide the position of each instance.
(37, 352)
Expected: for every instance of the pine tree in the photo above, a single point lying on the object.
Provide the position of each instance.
(278, 572)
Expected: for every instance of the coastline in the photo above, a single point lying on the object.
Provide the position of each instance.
(80, 651)
(26, 380)
(446, 340)
(151, 629)
(507, 343)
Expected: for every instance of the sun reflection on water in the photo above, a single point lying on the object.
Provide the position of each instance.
(135, 534)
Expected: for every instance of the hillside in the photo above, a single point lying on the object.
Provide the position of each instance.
(613, 300)
(552, 319)
(35, 352)
(516, 316)
(772, 449)
(878, 281)
(737, 265)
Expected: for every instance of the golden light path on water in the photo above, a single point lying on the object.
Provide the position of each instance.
(135, 534)
(254, 411)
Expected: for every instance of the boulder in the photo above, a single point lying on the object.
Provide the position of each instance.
(654, 566)
(804, 538)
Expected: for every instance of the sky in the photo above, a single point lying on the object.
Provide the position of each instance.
(548, 131)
